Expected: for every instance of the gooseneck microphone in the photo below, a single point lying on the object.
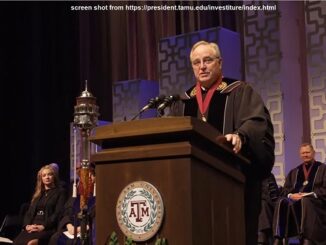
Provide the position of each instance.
(152, 103)
(168, 100)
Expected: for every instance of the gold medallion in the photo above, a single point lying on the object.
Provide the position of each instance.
(305, 182)
(203, 118)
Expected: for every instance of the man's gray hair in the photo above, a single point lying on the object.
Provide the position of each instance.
(307, 144)
(214, 46)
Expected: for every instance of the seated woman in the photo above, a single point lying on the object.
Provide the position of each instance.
(70, 226)
(43, 214)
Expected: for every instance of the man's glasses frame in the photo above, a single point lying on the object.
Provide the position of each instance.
(206, 61)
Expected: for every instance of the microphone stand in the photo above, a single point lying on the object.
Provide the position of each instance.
(137, 115)
(160, 113)
(152, 103)
(83, 216)
(75, 230)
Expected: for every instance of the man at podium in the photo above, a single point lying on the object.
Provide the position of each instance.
(239, 113)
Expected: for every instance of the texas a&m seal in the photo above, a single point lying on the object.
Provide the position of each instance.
(139, 211)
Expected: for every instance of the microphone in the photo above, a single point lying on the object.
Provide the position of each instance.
(168, 100)
(153, 103)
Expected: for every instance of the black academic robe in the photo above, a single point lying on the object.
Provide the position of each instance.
(310, 212)
(237, 108)
(269, 197)
(70, 216)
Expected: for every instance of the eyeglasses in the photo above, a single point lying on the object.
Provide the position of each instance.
(205, 61)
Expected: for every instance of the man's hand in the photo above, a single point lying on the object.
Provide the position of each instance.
(235, 140)
(296, 196)
(34, 228)
(29, 228)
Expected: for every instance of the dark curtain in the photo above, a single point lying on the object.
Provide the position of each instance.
(47, 51)
(129, 38)
(122, 45)
(39, 55)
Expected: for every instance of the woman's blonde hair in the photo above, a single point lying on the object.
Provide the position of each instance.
(39, 184)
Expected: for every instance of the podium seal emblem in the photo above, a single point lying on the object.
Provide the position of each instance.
(139, 211)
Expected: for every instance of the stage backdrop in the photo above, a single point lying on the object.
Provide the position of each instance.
(290, 76)
(285, 60)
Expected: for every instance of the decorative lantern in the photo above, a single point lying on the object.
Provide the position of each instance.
(85, 118)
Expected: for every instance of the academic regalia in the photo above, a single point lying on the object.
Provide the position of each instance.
(72, 208)
(306, 217)
(270, 195)
(236, 108)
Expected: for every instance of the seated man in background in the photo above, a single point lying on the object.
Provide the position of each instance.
(302, 208)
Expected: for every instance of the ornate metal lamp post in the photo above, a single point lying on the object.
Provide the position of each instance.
(85, 118)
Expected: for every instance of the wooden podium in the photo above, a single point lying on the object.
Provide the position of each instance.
(199, 179)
